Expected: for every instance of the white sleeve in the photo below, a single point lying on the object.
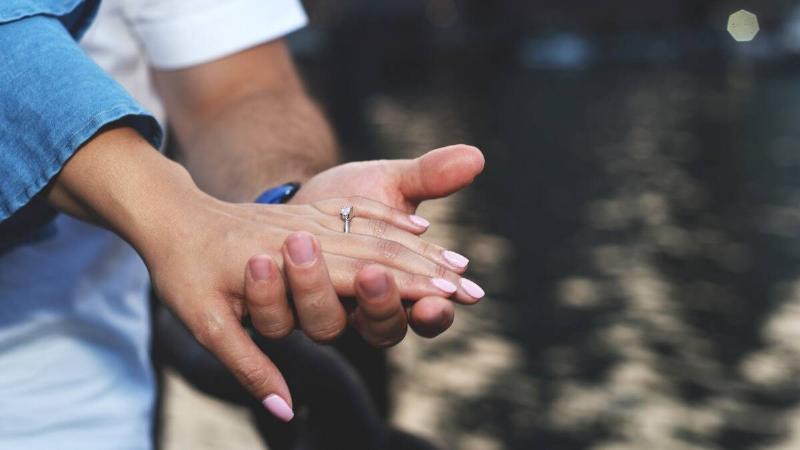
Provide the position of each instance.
(181, 33)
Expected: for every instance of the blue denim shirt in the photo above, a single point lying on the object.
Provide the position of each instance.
(65, 10)
(53, 97)
(74, 365)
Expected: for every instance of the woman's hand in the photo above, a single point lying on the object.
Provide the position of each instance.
(195, 248)
(403, 185)
(196, 268)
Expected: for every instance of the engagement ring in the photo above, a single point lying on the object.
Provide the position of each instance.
(346, 213)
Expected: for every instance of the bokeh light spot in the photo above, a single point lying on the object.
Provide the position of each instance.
(743, 25)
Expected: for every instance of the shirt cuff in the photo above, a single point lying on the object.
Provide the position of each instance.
(218, 30)
(56, 101)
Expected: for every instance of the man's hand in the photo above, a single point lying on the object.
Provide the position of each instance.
(196, 246)
(315, 305)
(244, 122)
(404, 184)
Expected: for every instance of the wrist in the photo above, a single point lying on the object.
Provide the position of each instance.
(168, 214)
(121, 182)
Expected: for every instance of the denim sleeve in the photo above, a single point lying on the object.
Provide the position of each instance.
(76, 15)
(53, 98)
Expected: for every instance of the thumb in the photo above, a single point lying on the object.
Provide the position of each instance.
(229, 342)
(440, 172)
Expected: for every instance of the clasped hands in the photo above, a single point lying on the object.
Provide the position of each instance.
(299, 251)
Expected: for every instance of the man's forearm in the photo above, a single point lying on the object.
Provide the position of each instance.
(259, 141)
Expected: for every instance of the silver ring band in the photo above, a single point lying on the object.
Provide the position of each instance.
(346, 214)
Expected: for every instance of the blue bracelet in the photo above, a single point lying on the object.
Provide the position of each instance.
(279, 194)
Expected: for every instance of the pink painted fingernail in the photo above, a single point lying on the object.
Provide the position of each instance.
(444, 285)
(455, 259)
(419, 221)
(278, 407)
(472, 289)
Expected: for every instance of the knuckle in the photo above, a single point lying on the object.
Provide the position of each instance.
(405, 280)
(261, 295)
(275, 324)
(210, 331)
(378, 227)
(327, 332)
(270, 311)
(440, 271)
(275, 330)
(389, 250)
(249, 373)
(426, 248)
(357, 265)
(312, 294)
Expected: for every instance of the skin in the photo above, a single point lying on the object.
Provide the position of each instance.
(403, 185)
(195, 244)
(245, 123)
(220, 111)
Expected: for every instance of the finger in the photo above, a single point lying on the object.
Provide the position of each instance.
(397, 256)
(265, 297)
(319, 311)
(379, 316)
(439, 172)
(380, 229)
(412, 286)
(364, 207)
(222, 334)
(431, 316)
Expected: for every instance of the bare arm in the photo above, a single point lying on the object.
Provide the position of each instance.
(195, 247)
(245, 123)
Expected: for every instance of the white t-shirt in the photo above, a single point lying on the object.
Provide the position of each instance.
(75, 370)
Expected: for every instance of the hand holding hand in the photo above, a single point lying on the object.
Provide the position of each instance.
(196, 246)
(194, 265)
(403, 185)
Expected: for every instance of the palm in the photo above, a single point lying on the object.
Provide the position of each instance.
(401, 184)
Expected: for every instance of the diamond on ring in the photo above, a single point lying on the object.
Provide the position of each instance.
(346, 213)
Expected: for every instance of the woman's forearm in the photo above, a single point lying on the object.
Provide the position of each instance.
(119, 181)
(197, 248)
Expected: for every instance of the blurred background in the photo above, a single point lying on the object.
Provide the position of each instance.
(635, 229)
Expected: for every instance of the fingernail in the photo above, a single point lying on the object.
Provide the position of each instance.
(376, 286)
(455, 259)
(444, 285)
(472, 289)
(259, 269)
(419, 221)
(278, 407)
(301, 249)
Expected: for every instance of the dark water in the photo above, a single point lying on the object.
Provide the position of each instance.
(650, 215)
